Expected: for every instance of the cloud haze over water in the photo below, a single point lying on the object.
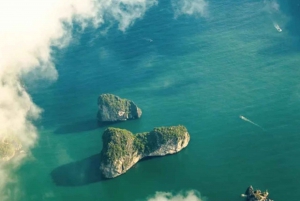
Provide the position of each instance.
(29, 29)
(190, 7)
(186, 196)
(271, 6)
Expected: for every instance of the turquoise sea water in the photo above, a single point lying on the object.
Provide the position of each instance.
(199, 72)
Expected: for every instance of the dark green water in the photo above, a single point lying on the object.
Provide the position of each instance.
(199, 72)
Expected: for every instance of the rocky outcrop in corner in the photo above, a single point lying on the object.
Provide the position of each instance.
(121, 149)
(112, 108)
(256, 195)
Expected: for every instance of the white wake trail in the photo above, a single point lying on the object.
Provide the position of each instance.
(277, 27)
(251, 122)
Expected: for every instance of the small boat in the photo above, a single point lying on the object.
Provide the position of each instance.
(277, 27)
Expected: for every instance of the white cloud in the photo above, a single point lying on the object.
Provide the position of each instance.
(28, 29)
(190, 7)
(186, 196)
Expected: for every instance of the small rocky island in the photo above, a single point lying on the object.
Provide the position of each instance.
(256, 195)
(122, 149)
(9, 147)
(112, 108)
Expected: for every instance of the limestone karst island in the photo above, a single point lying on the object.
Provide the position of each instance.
(122, 149)
(256, 195)
(112, 108)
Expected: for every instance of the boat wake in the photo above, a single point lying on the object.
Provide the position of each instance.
(251, 122)
(277, 27)
(148, 39)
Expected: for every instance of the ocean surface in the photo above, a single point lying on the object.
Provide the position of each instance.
(202, 72)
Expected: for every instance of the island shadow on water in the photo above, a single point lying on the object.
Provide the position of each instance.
(84, 172)
(78, 173)
(82, 126)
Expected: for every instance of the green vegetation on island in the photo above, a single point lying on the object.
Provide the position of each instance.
(115, 143)
(122, 149)
(149, 141)
(116, 103)
(113, 108)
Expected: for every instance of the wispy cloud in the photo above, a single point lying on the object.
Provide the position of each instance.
(184, 196)
(29, 29)
(190, 7)
(271, 6)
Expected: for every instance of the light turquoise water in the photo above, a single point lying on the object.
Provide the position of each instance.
(199, 72)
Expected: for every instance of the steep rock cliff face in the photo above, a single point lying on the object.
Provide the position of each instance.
(121, 149)
(112, 108)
